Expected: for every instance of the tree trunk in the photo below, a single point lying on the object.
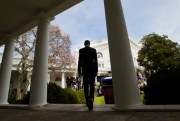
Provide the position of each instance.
(18, 93)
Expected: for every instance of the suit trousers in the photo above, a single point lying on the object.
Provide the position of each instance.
(89, 86)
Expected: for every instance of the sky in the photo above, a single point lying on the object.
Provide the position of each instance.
(86, 20)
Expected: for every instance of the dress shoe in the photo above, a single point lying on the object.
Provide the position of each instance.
(90, 104)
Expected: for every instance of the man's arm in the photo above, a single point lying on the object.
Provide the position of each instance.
(96, 62)
(79, 64)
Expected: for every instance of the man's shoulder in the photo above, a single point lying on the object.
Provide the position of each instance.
(92, 48)
(81, 49)
(87, 48)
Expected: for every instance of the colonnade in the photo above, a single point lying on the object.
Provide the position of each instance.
(124, 81)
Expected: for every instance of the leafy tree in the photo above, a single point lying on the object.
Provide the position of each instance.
(161, 60)
(158, 53)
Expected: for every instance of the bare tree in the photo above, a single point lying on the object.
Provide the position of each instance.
(25, 52)
(60, 56)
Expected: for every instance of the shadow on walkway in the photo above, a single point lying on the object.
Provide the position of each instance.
(79, 112)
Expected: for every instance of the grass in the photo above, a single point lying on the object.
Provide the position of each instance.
(142, 97)
(99, 100)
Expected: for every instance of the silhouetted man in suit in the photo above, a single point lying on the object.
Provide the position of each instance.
(88, 68)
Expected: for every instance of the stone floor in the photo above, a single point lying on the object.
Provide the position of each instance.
(74, 112)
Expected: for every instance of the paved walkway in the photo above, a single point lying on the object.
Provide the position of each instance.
(56, 112)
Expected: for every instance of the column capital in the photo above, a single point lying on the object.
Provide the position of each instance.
(43, 16)
(9, 37)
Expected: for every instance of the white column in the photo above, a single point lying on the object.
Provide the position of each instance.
(125, 87)
(49, 77)
(6, 69)
(75, 74)
(63, 80)
(38, 90)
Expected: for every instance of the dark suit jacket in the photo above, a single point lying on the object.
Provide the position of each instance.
(87, 64)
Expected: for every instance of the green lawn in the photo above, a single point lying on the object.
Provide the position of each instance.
(99, 100)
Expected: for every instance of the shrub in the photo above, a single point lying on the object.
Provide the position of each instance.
(73, 96)
(61, 96)
(163, 88)
(82, 97)
(55, 94)
(12, 97)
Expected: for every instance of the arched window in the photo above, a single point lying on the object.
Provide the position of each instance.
(99, 55)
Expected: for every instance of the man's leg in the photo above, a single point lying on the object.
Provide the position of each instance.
(92, 87)
(86, 90)
(91, 97)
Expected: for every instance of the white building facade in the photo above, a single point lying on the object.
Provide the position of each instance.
(104, 63)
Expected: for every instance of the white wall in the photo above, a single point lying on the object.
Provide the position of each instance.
(103, 47)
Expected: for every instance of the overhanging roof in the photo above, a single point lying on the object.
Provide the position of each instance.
(19, 16)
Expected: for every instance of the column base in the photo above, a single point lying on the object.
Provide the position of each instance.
(4, 103)
(127, 107)
(37, 105)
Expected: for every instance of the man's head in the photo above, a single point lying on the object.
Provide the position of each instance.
(86, 43)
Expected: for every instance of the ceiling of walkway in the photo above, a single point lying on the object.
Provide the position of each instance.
(18, 16)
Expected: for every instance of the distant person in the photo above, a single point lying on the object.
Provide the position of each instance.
(88, 68)
(78, 83)
(100, 90)
(68, 82)
(141, 82)
(139, 76)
